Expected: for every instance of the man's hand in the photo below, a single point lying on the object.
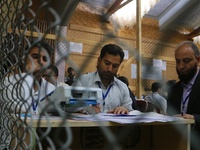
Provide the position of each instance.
(119, 110)
(185, 116)
(91, 109)
(97, 108)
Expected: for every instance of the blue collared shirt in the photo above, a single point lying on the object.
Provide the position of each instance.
(187, 88)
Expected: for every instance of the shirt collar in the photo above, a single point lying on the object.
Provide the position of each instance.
(98, 79)
(191, 82)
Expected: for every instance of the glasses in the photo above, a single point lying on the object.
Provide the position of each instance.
(37, 56)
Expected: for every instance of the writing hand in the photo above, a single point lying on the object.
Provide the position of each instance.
(92, 109)
(119, 110)
(97, 108)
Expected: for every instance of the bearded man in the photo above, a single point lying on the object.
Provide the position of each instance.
(184, 97)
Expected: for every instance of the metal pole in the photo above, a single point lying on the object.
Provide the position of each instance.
(139, 46)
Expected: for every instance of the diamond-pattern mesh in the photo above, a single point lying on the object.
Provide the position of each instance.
(25, 23)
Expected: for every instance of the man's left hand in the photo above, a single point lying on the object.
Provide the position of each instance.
(119, 110)
(185, 116)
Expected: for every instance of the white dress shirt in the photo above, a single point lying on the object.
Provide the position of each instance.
(157, 100)
(115, 95)
(18, 93)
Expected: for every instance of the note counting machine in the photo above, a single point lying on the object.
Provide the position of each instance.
(75, 97)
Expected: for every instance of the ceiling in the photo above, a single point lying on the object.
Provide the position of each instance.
(169, 13)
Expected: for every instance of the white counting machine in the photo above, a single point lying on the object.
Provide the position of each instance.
(71, 98)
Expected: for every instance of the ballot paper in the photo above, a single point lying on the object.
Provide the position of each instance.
(132, 117)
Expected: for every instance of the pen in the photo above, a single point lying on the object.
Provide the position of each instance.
(25, 115)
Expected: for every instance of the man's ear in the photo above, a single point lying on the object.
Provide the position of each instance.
(198, 59)
(98, 60)
(56, 77)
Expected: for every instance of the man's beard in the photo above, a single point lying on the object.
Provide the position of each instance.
(187, 77)
(105, 75)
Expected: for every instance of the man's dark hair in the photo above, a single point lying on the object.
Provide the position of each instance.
(70, 69)
(71, 77)
(112, 49)
(54, 69)
(155, 86)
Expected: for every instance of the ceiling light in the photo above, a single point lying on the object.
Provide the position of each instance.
(183, 30)
(126, 16)
(196, 40)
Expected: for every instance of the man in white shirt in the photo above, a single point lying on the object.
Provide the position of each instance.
(156, 98)
(51, 75)
(116, 97)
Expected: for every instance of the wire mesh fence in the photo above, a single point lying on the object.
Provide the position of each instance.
(26, 24)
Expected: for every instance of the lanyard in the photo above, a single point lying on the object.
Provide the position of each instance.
(105, 95)
(183, 103)
(186, 89)
(34, 104)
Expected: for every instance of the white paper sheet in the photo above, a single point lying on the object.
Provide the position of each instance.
(134, 117)
(131, 118)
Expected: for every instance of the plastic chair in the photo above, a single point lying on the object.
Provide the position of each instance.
(142, 105)
(152, 108)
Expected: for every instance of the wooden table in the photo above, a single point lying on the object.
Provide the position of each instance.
(154, 136)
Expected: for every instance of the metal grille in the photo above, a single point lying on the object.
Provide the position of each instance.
(23, 24)
(28, 22)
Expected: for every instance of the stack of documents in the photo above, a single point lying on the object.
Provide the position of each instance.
(133, 117)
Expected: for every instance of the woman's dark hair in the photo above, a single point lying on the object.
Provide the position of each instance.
(40, 44)
(112, 49)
